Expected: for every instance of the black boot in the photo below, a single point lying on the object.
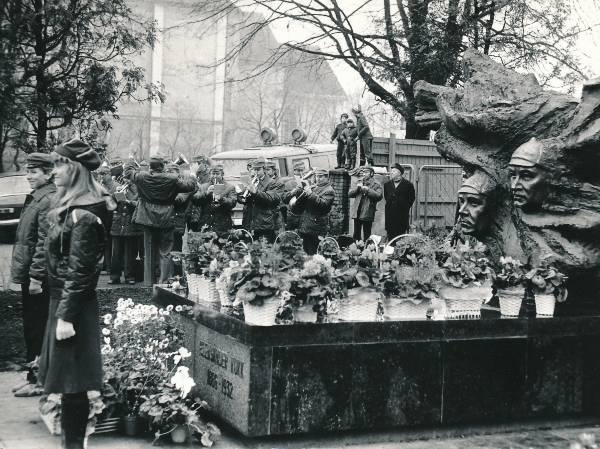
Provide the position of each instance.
(74, 417)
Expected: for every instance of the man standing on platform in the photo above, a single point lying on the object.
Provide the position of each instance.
(350, 137)
(338, 137)
(364, 136)
(155, 209)
(366, 193)
(314, 204)
(399, 194)
(261, 203)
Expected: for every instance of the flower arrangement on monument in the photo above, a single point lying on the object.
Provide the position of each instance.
(548, 286)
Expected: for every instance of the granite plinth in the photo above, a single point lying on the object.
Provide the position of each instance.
(350, 376)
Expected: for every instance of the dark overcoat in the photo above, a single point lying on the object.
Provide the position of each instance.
(28, 257)
(122, 221)
(398, 201)
(74, 252)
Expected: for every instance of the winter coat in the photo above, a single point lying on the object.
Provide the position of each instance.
(363, 126)
(368, 199)
(292, 218)
(314, 209)
(338, 132)
(217, 216)
(122, 220)
(74, 253)
(280, 188)
(28, 256)
(349, 135)
(260, 208)
(157, 192)
(398, 201)
(194, 211)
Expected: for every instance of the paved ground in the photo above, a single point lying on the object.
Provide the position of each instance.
(22, 428)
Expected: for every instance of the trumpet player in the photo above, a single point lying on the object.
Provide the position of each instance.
(273, 173)
(291, 219)
(261, 203)
(217, 199)
(313, 204)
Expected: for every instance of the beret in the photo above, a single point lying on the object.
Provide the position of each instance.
(79, 151)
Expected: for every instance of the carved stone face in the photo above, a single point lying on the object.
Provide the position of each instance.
(472, 212)
(528, 186)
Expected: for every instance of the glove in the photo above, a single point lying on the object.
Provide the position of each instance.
(35, 287)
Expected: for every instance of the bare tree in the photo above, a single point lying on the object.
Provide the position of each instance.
(393, 44)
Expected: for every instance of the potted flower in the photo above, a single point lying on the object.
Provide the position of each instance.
(173, 411)
(548, 286)
(415, 256)
(510, 282)
(311, 289)
(466, 282)
(201, 264)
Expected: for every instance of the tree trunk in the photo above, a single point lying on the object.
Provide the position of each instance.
(413, 131)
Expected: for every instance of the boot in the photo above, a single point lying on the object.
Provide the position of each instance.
(74, 416)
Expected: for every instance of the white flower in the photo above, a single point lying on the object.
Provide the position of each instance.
(105, 332)
(176, 359)
(234, 264)
(169, 307)
(184, 352)
(178, 308)
(107, 340)
(107, 318)
(182, 380)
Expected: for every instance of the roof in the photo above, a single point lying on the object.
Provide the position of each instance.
(269, 151)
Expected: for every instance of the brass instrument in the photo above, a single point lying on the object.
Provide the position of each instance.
(304, 183)
(181, 160)
(255, 181)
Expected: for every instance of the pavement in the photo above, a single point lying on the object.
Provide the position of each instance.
(22, 428)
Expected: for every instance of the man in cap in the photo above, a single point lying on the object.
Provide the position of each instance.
(217, 199)
(180, 209)
(338, 136)
(475, 200)
(292, 220)
(313, 204)
(28, 267)
(528, 176)
(399, 194)
(261, 203)
(273, 173)
(364, 135)
(203, 170)
(350, 137)
(366, 193)
(157, 191)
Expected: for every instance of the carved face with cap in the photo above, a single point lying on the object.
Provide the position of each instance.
(528, 176)
(474, 203)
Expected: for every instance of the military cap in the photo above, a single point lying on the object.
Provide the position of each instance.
(398, 166)
(529, 154)
(270, 164)
(217, 168)
(39, 160)
(320, 171)
(259, 162)
(79, 151)
(479, 184)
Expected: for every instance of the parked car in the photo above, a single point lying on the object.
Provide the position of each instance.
(14, 188)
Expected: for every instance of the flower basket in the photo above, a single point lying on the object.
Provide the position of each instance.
(544, 305)
(263, 314)
(396, 308)
(104, 425)
(510, 301)
(305, 314)
(465, 303)
(360, 306)
(198, 284)
(418, 273)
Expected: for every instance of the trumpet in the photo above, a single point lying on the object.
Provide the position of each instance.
(132, 158)
(304, 183)
(181, 160)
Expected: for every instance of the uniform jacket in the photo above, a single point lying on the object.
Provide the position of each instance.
(157, 192)
(338, 132)
(292, 218)
(217, 216)
(363, 126)
(314, 209)
(74, 253)
(194, 211)
(122, 220)
(260, 209)
(369, 200)
(398, 201)
(28, 257)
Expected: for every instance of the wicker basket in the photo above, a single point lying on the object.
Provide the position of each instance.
(305, 314)
(465, 303)
(224, 297)
(544, 305)
(409, 273)
(359, 306)
(198, 285)
(396, 309)
(261, 315)
(510, 301)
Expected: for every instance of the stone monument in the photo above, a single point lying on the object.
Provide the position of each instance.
(535, 152)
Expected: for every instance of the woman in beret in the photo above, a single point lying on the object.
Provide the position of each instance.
(71, 363)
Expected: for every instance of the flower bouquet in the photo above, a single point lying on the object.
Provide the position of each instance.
(466, 280)
(548, 286)
(510, 281)
(202, 264)
(415, 256)
(311, 289)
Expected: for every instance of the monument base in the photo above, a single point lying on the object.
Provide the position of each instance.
(305, 378)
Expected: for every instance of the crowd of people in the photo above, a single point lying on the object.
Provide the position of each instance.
(84, 215)
(348, 134)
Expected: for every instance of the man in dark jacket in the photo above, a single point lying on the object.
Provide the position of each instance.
(366, 193)
(337, 136)
(313, 204)
(273, 173)
(217, 199)
(364, 136)
(292, 220)
(28, 267)
(155, 209)
(399, 194)
(261, 203)
(350, 137)
(202, 174)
